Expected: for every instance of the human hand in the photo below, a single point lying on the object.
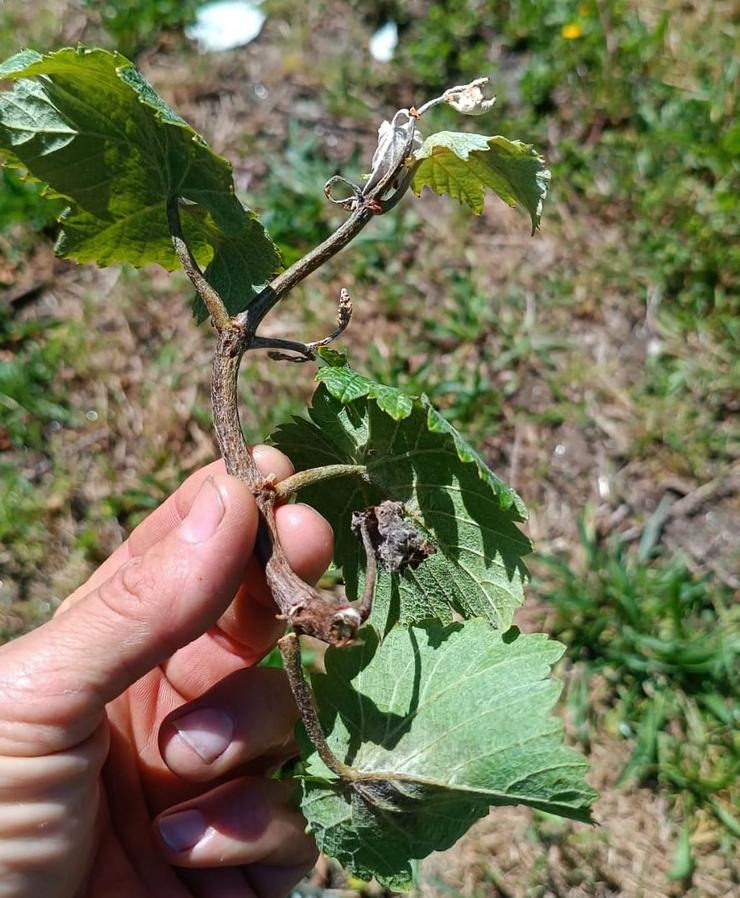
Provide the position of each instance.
(137, 737)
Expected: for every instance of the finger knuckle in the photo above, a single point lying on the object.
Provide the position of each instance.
(132, 590)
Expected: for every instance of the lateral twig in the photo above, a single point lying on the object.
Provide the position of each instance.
(253, 315)
(366, 205)
(286, 488)
(305, 352)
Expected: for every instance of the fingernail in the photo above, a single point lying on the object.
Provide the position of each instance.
(205, 514)
(207, 731)
(182, 830)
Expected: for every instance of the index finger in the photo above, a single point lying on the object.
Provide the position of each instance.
(171, 513)
(249, 628)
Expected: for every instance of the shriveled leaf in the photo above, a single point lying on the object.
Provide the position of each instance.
(469, 98)
(412, 455)
(441, 723)
(464, 165)
(87, 124)
(395, 541)
(392, 139)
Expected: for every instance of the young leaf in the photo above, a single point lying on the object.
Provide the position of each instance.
(463, 165)
(412, 455)
(86, 123)
(441, 723)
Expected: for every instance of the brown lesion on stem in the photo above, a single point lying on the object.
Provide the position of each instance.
(330, 619)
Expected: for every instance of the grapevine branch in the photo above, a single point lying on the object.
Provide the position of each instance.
(335, 622)
(331, 620)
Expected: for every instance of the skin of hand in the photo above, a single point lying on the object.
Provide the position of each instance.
(137, 737)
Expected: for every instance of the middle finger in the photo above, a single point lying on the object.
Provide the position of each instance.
(247, 821)
(248, 716)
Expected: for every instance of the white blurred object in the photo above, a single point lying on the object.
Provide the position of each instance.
(226, 24)
(384, 41)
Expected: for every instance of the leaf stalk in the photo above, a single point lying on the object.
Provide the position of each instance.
(210, 296)
(286, 488)
(290, 651)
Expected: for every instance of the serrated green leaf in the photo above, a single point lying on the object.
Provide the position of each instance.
(442, 722)
(464, 165)
(414, 456)
(86, 123)
(336, 358)
(345, 385)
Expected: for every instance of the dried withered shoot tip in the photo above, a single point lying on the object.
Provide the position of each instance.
(396, 542)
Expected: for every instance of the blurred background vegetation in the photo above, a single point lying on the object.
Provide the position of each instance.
(595, 365)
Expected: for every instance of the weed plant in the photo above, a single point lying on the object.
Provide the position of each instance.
(133, 25)
(33, 353)
(666, 643)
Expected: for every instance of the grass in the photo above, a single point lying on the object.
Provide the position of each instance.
(686, 399)
(665, 645)
(37, 357)
(33, 397)
(131, 26)
(23, 508)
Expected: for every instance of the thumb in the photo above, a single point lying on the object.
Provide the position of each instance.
(56, 680)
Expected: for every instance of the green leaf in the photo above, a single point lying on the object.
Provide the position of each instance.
(442, 722)
(87, 124)
(464, 165)
(644, 757)
(412, 455)
(683, 857)
(345, 385)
